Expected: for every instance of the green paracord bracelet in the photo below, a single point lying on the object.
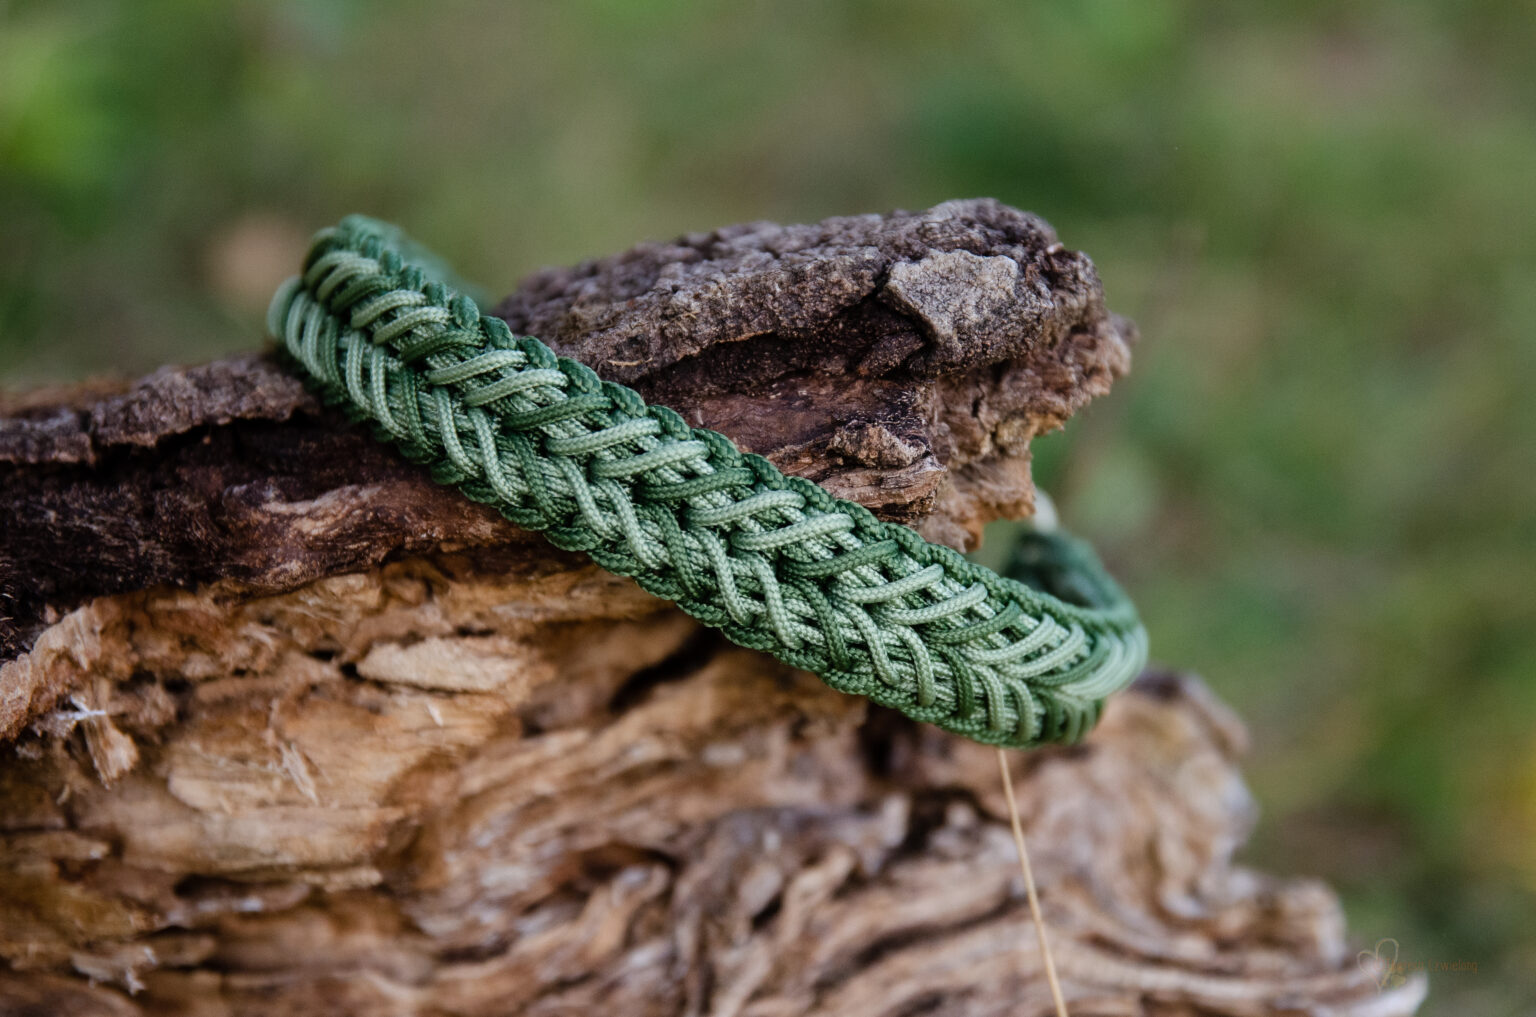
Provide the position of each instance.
(775, 562)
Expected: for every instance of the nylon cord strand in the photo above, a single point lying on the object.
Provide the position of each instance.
(775, 562)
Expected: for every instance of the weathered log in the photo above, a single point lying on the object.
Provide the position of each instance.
(286, 728)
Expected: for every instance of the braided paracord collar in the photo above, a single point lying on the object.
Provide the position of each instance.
(776, 563)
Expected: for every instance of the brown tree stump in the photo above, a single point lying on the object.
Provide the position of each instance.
(284, 728)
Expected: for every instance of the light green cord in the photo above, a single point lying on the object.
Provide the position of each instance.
(775, 562)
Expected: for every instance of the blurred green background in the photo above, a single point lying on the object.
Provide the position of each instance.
(1319, 481)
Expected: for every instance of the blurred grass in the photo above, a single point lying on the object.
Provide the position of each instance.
(1318, 482)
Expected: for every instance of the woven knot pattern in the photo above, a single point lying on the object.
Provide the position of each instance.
(775, 562)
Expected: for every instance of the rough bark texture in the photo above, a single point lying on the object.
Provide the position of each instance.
(286, 729)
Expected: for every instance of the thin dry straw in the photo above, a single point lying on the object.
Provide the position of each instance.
(1029, 886)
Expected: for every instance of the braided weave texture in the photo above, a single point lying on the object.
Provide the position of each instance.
(775, 562)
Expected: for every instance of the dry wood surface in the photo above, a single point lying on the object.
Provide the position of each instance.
(286, 729)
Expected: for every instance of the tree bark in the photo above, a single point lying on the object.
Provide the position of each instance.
(285, 728)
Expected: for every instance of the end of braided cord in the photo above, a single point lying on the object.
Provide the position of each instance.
(379, 328)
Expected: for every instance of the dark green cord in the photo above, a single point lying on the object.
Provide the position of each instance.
(775, 562)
